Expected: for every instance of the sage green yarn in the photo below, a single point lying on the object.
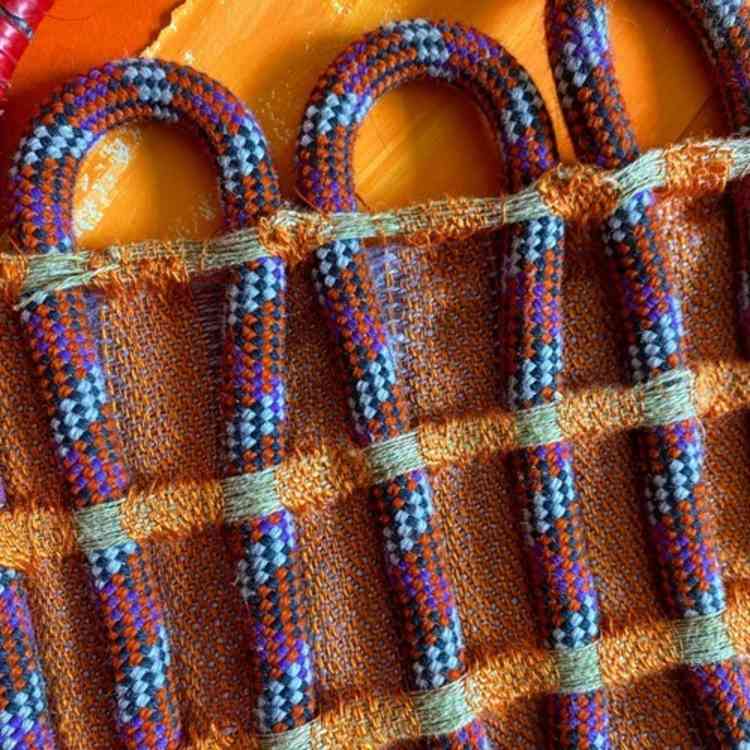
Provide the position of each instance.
(539, 425)
(668, 398)
(100, 526)
(294, 739)
(250, 495)
(443, 710)
(704, 640)
(578, 669)
(394, 457)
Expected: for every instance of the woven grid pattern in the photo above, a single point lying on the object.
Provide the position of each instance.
(271, 584)
(24, 717)
(681, 531)
(461, 435)
(729, 678)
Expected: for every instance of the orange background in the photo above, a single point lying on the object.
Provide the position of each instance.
(271, 52)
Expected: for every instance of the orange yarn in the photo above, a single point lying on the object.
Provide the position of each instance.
(580, 193)
(697, 169)
(295, 242)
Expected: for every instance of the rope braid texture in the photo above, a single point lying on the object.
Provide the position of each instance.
(672, 447)
(263, 536)
(60, 329)
(24, 715)
(414, 558)
(567, 601)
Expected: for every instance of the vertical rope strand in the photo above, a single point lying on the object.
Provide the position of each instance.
(414, 556)
(24, 714)
(565, 596)
(263, 534)
(383, 59)
(671, 447)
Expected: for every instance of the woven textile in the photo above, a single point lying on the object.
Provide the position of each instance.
(672, 451)
(443, 531)
(61, 330)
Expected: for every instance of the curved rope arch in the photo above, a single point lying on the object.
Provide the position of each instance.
(80, 112)
(60, 329)
(532, 273)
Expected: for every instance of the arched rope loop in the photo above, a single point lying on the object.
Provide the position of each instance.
(121, 93)
(382, 60)
(58, 321)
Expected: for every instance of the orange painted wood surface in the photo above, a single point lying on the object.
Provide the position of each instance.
(419, 142)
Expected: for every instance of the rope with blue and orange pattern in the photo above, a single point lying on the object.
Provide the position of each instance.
(263, 532)
(24, 713)
(402, 495)
(671, 446)
(61, 330)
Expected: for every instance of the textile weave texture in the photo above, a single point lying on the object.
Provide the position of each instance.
(442, 322)
(166, 390)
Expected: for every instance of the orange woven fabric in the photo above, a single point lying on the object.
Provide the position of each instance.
(442, 299)
(164, 371)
